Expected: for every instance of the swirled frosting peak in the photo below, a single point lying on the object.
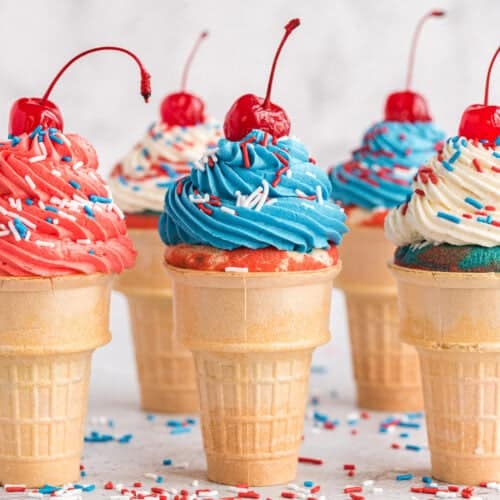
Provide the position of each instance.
(380, 172)
(455, 199)
(57, 216)
(165, 154)
(255, 193)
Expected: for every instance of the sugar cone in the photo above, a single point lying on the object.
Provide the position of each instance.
(252, 336)
(454, 321)
(49, 328)
(165, 368)
(387, 372)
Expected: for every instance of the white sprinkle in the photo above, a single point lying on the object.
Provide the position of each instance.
(84, 242)
(300, 193)
(446, 494)
(319, 195)
(288, 173)
(150, 475)
(19, 205)
(235, 489)
(77, 165)
(22, 219)
(12, 203)
(228, 210)
(264, 195)
(48, 244)
(36, 159)
(56, 173)
(271, 201)
(55, 222)
(93, 176)
(3, 211)
(34, 494)
(238, 198)
(368, 482)
(199, 199)
(64, 139)
(491, 485)
(14, 231)
(77, 197)
(30, 182)
(41, 204)
(64, 215)
(310, 174)
(292, 486)
(377, 491)
(27, 236)
(232, 269)
(4, 233)
(206, 494)
(195, 483)
(198, 165)
(118, 211)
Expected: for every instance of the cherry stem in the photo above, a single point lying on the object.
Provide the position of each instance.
(414, 43)
(291, 25)
(190, 58)
(145, 76)
(488, 76)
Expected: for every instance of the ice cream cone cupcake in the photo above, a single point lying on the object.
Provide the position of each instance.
(139, 182)
(447, 266)
(377, 178)
(62, 240)
(251, 248)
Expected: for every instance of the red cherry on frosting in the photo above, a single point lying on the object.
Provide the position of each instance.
(482, 121)
(249, 111)
(406, 105)
(28, 112)
(182, 108)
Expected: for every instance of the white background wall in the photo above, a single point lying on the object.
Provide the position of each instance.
(333, 78)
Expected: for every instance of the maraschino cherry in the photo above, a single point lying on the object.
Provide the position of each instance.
(482, 121)
(29, 112)
(182, 108)
(406, 105)
(249, 111)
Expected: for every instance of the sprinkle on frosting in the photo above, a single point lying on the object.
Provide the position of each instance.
(165, 154)
(255, 193)
(380, 172)
(461, 205)
(47, 207)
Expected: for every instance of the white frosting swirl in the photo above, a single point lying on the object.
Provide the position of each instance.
(455, 199)
(140, 180)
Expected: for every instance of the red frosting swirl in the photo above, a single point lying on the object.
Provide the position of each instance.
(57, 216)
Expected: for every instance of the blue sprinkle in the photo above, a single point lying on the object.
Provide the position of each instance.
(404, 477)
(53, 130)
(88, 211)
(484, 141)
(159, 479)
(99, 199)
(180, 430)
(473, 202)
(139, 168)
(145, 152)
(50, 220)
(427, 479)
(383, 430)
(21, 228)
(449, 217)
(497, 141)
(485, 220)
(353, 421)
(48, 489)
(415, 414)
(28, 201)
(58, 140)
(111, 423)
(150, 417)
(126, 438)
(404, 435)
(50, 208)
(167, 461)
(90, 487)
(75, 184)
(173, 423)
(35, 132)
(15, 141)
(464, 143)
(92, 252)
(409, 425)
(136, 188)
(66, 158)
(122, 180)
(163, 184)
(496, 155)
(191, 421)
(83, 473)
(447, 166)
(412, 447)
(308, 484)
(455, 139)
(320, 417)
(454, 157)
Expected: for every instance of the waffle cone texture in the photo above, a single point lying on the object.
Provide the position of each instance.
(386, 371)
(49, 328)
(165, 368)
(252, 336)
(453, 319)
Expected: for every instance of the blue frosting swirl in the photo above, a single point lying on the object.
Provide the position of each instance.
(380, 172)
(255, 193)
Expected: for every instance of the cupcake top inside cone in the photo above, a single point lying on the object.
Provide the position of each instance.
(57, 216)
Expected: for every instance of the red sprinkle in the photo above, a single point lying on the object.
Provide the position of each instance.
(248, 494)
(15, 489)
(353, 489)
(246, 158)
(420, 192)
(287, 494)
(313, 461)
(178, 190)
(351, 473)
(329, 425)
(356, 497)
(137, 484)
(155, 489)
(364, 415)
(108, 486)
(477, 165)
(349, 466)
(395, 446)
(490, 208)
(453, 488)
(316, 489)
